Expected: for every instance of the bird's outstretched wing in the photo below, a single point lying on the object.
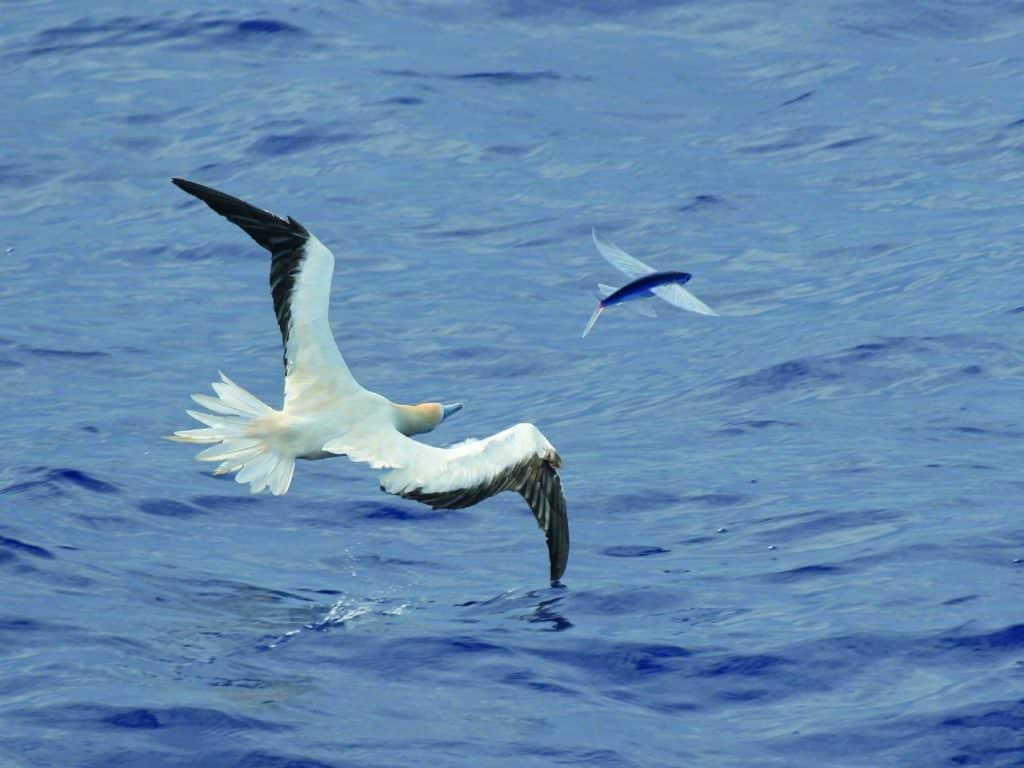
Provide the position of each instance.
(517, 459)
(301, 268)
(633, 268)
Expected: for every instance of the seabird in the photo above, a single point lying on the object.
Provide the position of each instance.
(646, 281)
(327, 413)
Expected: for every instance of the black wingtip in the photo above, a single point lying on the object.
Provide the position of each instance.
(184, 184)
(558, 550)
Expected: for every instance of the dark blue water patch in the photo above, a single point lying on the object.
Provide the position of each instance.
(548, 613)
(782, 376)
(716, 499)
(797, 99)
(625, 602)
(82, 480)
(198, 718)
(1013, 434)
(539, 242)
(700, 203)
(696, 540)
(526, 679)
(821, 521)
(475, 232)
(206, 758)
(131, 31)
(263, 759)
(645, 500)
(29, 549)
(410, 513)
(1017, 310)
(983, 734)
(845, 143)
(508, 77)
(1010, 717)
(377, 561)
(510, 150)
(566, 10)
(960, 600)
(619, 662)
(230, 251)
(796, 138)
(745, 696)
(627, 550)
(167, 508)
(755, 665)
(741, 427)
(133, 718)
(916, 21)
(1008, 639)
(17, 624)
(19, 175)
(876, 363)
(148, 718)
(147, 118)
(410, 657)
(497, 77)
(470, 353)
(225, 502)
(264, 27)
(242, 683)
(278, 144)
(803, 572)
(513, 367)
(71, 354)
(403, 101)
(219, 588)
(53, 482)
(546, 755)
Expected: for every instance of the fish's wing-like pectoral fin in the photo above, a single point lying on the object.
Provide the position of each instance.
(629, 266)
(678, 296)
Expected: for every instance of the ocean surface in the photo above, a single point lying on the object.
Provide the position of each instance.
(797, 533)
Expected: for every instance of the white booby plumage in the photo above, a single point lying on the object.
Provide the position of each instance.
(327, 413)
(633, 268)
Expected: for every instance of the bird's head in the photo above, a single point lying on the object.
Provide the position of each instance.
(416, 419)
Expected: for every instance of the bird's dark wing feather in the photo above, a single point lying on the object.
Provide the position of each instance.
(301, 269)
(536, 479)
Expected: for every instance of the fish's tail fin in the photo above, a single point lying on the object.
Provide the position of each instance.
(242, 430)
(593, 319)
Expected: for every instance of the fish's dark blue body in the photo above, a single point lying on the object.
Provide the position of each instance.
(642, 286)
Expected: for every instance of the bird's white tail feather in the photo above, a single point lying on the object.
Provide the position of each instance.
(242, 438)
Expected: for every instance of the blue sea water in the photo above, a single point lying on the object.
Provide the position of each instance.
(796, 528)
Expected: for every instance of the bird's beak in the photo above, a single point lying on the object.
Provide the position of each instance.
(450, 409)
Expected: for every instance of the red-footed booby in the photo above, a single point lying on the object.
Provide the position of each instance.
(327, 413)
